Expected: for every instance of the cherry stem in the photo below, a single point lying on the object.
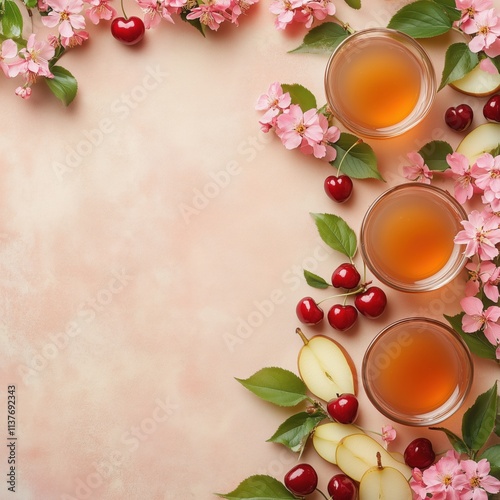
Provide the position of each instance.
(322, 494)
(360, 288)
(359, 141)
(123, 9)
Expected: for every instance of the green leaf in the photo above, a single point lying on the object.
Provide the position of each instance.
(434, 154)
(355, 160)
(336, 233)
(479, 420)
(496, 62)
(449, 6)
(294, 432)
(276, 385)
(476, 342)
(259, 487)
(457, 443)
(31, 4)
(300, 95)
(355, 4)
(12, 20)
(459, 61)
(322, 39)
(63, 85)
(492, 454)
(495, 152)
(421, 19)
(314, 280)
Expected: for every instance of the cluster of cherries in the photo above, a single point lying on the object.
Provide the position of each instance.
(370, 301)
(302, 479)
(460, 117)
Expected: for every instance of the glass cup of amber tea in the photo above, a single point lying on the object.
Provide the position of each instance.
(380, 83)
(407, 237)
(417, 371)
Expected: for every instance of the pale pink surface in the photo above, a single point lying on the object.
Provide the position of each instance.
(159, 350)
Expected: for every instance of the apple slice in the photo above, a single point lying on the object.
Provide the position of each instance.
(482, 139)
(477, 83)
(324, 367)
(326, 438)
(384, 483)
(357, 453)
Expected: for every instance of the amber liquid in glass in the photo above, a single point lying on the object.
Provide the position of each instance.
(421, 377)
(414, 239)
(380, 86)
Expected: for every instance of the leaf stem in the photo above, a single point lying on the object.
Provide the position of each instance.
(346, 26)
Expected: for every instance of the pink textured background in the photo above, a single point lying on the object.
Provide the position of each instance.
(129, 302)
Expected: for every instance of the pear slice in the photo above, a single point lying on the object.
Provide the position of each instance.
(357, 453)
(384, 483)
(326, 438)
(483, 139)
(325, 367)
(477, 83)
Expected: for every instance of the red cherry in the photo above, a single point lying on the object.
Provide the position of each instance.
(491, 109)
(338, 188)
(346, 276)
(459, 118)
(343, 408)
(309, 312)
(342, 317)
(128, 31)
(419, 453)
(301, 480)
(371, 303)
(342, 487)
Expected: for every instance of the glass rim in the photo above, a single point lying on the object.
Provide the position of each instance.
(453, 403)
(410, 121)
(433, 282)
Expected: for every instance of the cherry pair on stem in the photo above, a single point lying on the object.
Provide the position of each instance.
(370, 301)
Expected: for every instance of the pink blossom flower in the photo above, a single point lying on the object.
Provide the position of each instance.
(101, 9)
(476, 482)
(312, 10)
(477, 319)
(78, 38)
(417, 483)
(439, 477)
(489, 275)
(486, 26)
(473, 283)
(8, 51)
(464, 176)
(480, 235)
(34, 62)
(323, 149)
(211, 14)
(273, 103)
(469, 9)
(285, 11)
(66, 14)
(295, 126)
(238, 8)
(153, 13)
(388, 433)
(489, 178)
(418, 170)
